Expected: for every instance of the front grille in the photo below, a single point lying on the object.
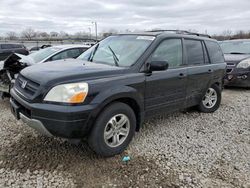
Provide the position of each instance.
(230, 67)
(26, 87)
(229, 70)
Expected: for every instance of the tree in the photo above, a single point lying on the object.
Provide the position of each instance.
(43, 34)
(54, 34)
(227, 34)
(81, 34)
(109, 32)
(28, 33)
(11, 35)
(63, 34)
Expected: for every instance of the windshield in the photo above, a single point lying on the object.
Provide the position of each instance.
(42, 54)
(235, 47)
(121, 50)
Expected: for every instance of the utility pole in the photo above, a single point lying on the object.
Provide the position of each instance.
(95, 29)
(90, 32)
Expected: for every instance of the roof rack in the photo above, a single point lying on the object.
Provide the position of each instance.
(182, 32)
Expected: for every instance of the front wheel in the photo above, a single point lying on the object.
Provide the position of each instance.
(113, 130)
(211, 100)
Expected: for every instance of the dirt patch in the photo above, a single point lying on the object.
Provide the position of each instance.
(83, 166)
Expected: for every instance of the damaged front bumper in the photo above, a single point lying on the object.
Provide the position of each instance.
(238, 79)
(9, 68)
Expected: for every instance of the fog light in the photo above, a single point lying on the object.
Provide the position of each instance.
(244, 77)
(230, 77)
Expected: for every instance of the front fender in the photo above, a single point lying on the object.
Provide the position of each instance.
(107, 96)
(113, 94)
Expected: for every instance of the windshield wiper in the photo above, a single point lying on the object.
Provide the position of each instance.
(93, 53)
(236, 53)
(116, 60)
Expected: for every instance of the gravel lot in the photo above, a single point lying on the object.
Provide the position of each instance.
(187, 149)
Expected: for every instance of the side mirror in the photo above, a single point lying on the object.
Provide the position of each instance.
(158, 65)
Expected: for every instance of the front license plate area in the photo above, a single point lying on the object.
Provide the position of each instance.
(15, 109)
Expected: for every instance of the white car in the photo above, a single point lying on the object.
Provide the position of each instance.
(13, 64)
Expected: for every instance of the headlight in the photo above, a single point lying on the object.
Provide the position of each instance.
(244, 64)
(68, 93)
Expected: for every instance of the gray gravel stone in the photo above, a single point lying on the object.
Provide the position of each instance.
(187, 149)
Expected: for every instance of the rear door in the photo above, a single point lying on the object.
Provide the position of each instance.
(166, 90)
(199, 70)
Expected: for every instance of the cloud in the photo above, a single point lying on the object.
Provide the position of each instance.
(72, 16)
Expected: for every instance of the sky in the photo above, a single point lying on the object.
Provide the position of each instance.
(213, 16)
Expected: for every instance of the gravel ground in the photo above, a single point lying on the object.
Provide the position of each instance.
(185, 149)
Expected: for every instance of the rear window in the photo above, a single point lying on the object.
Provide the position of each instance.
(215, 52)
(6, 46)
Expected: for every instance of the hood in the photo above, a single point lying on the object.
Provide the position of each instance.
(235, 57)
(69, 70)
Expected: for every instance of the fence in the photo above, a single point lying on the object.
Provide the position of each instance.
(37, 43)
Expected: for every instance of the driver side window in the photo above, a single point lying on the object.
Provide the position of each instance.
(169, 50)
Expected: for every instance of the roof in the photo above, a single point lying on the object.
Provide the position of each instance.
(179, 33)
(67, 46)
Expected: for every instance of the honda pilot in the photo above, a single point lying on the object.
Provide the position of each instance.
(106, 93)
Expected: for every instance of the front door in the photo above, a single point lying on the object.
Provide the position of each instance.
(166, 90)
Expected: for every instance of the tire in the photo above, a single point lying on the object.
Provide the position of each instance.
(105, 125)
(209, 107)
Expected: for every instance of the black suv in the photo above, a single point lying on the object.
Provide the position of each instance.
(8, 49)
(108, 91)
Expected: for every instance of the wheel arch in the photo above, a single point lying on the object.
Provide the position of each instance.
(126, 95)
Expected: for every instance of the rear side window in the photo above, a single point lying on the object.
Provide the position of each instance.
(11, 46)
(18, 46)
(71, 53)
(194, 52)
(169, 50)
(215, 52)
(7, 46)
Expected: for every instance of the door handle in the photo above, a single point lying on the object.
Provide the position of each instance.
(182, 75)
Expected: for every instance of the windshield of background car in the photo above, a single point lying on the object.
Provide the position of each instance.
(241, 47)
(121, 50)
(43, 53)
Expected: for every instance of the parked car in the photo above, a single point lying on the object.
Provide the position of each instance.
(37, 48)
(108, 91)
(92, 43)
(16, 62)
(8, 49)
(237, 57)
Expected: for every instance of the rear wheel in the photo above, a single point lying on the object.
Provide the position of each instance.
(113, 130)
(211, 100)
